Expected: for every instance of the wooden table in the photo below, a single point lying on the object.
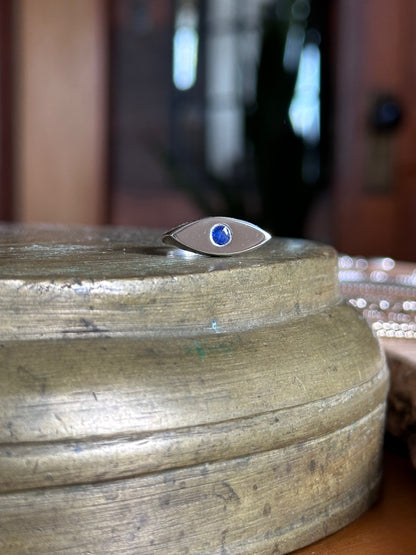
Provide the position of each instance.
(389, 528)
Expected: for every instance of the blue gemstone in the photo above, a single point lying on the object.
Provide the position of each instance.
(221, 235)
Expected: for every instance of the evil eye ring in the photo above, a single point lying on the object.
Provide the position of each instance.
(217, 236)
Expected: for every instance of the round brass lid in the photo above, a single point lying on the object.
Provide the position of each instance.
(68, 281)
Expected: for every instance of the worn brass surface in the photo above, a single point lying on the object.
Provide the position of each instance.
(157, 402)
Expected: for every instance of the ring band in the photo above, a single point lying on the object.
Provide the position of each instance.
(217, 236)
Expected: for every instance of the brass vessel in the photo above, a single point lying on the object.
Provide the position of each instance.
(154, 401)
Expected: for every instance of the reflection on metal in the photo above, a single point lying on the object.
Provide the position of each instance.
(293, 47)
(185, 47)
(304, 111)
(224, 132)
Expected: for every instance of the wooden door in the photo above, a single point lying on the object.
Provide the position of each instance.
(60, 110)
(375, 165)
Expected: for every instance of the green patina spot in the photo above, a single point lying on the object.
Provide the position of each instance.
(196, 348)
(221, 347)
(204, 351)
(200, 351)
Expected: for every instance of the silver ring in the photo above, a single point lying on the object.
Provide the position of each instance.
(217, 236)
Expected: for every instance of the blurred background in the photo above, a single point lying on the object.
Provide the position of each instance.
(297, 115)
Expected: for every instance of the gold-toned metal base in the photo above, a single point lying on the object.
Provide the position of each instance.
(155, 403)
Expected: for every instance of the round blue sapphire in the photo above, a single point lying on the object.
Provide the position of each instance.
(221, 235)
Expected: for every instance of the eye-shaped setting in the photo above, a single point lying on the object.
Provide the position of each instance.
(217, 236)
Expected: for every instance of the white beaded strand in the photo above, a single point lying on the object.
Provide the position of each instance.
(383, 291)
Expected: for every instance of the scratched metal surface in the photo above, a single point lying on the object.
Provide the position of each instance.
(155, 402)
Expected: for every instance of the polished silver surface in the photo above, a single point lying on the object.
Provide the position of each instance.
(217, 236)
